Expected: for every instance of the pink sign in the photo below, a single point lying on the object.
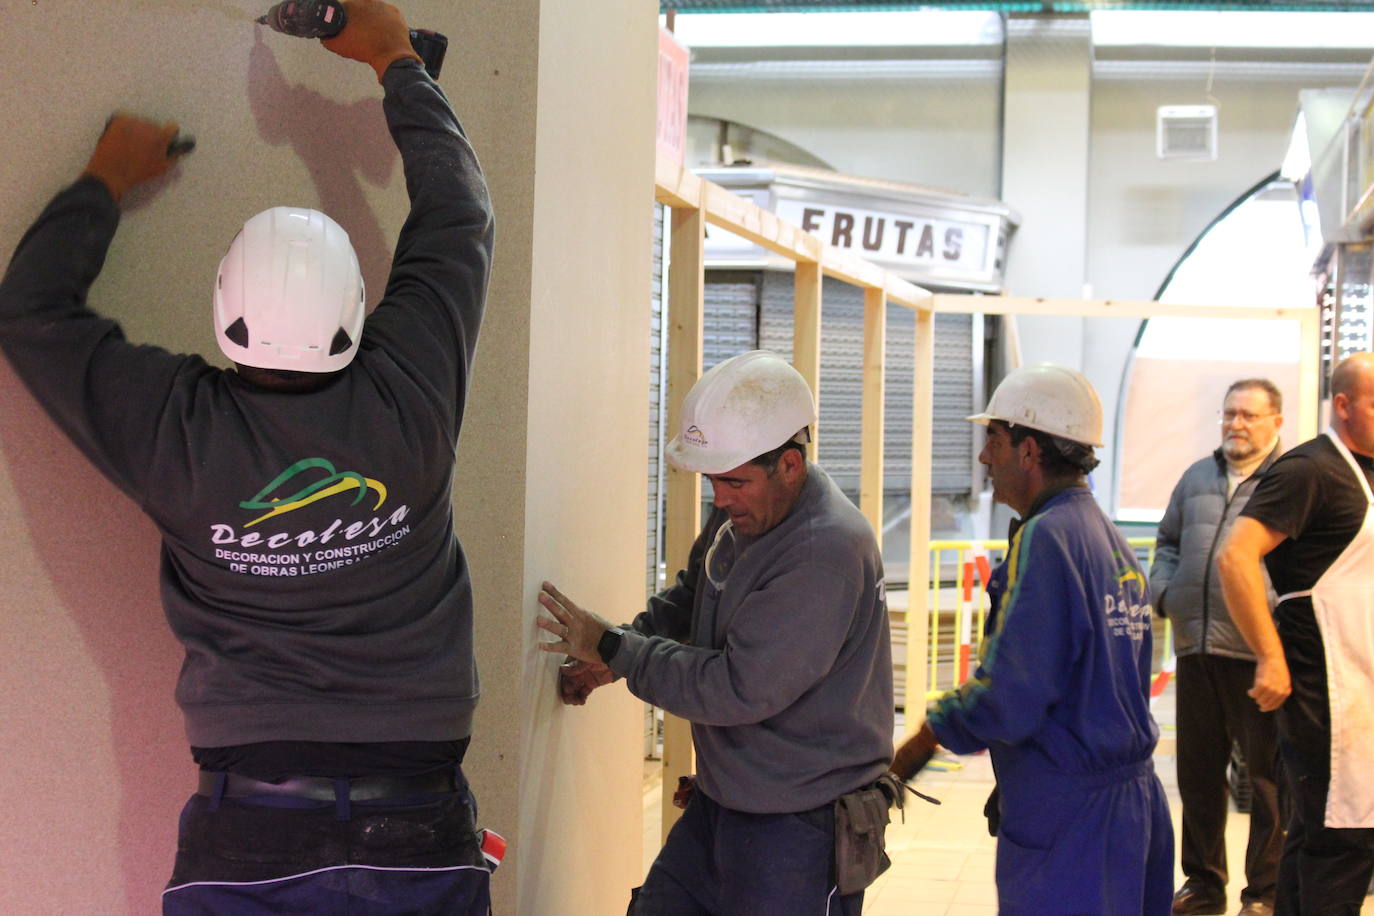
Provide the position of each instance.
(672, 97)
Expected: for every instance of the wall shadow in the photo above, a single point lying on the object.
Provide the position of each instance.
(102, 554)
(342, 146)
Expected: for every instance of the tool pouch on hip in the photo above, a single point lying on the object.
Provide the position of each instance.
(861, 838)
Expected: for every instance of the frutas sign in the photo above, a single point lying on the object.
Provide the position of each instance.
(891, 237)
(930, 237)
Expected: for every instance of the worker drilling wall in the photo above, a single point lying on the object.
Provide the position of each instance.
(550, 481)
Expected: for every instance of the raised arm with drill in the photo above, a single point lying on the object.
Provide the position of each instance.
(311, 572)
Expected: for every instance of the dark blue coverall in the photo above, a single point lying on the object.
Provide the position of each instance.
(1060, 697)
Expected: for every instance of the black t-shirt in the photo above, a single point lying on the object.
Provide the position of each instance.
(1310, 495)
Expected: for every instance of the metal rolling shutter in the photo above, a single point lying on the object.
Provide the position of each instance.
(841, 385)
(955, 343)
(732, 318)
(657, 408)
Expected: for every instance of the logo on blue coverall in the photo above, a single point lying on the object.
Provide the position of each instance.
(1127, 612)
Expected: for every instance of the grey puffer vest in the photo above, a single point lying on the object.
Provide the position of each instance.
(1184, 584)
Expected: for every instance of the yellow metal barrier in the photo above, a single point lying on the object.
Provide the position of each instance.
(958, 609)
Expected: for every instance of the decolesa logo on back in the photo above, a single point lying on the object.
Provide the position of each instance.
(326, 483)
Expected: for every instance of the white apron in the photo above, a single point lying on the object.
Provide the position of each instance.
(1343, 601)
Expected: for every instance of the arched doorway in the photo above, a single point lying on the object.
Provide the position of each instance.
(1257, 252)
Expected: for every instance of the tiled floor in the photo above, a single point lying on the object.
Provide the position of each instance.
(942, 856)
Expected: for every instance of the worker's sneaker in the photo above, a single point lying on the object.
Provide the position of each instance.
(1257, 908)
(1196, 900)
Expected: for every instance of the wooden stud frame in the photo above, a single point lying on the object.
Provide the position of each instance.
(871, 425)
(682, 489)
(806, 335)
(695, 202)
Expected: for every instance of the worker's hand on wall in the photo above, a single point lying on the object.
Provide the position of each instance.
(132, 150)
(1272, 683)
(376, 34)
(577, 679)
(578, 630)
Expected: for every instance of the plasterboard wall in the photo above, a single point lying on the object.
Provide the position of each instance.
(581, 768)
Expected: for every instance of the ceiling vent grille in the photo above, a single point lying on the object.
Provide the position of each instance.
(1187, 132)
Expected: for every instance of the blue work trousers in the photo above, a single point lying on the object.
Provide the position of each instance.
(1095, 844)
(274, 855)
(720, 862)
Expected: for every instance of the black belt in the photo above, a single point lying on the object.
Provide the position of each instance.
(324, 788)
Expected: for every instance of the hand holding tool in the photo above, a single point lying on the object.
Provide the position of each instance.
(134, 150)
(327, 18)
(180, 145)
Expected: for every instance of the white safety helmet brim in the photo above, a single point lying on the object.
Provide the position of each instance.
(1052, 399)
(289, 294)
(744, 407)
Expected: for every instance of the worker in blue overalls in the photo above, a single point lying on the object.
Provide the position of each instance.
(1060, 696)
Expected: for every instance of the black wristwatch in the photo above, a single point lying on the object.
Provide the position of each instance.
(609, 643)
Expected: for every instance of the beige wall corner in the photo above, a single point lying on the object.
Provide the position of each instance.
(552, 471)
(496, 64)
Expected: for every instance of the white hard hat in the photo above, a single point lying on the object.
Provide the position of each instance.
(1053, 399)
(741, 408)
(289, 293)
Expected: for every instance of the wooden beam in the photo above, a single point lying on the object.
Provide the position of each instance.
(675, 186)
(958, 303)
(806, 335)
(918, 594)
(744, 218)
(871, 432)
(849, 267)
(682, 489)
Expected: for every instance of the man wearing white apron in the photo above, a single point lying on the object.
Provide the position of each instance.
(1312, 521)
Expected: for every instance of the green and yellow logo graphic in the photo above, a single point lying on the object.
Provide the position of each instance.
(333, 483)
(1126, 572)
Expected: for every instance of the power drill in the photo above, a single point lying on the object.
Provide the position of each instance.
(326, 18)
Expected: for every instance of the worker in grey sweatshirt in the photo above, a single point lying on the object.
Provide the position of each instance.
(773, 643)
(309, 563)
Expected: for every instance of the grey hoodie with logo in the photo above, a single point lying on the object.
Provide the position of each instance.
(309, 563)
(783, 664)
